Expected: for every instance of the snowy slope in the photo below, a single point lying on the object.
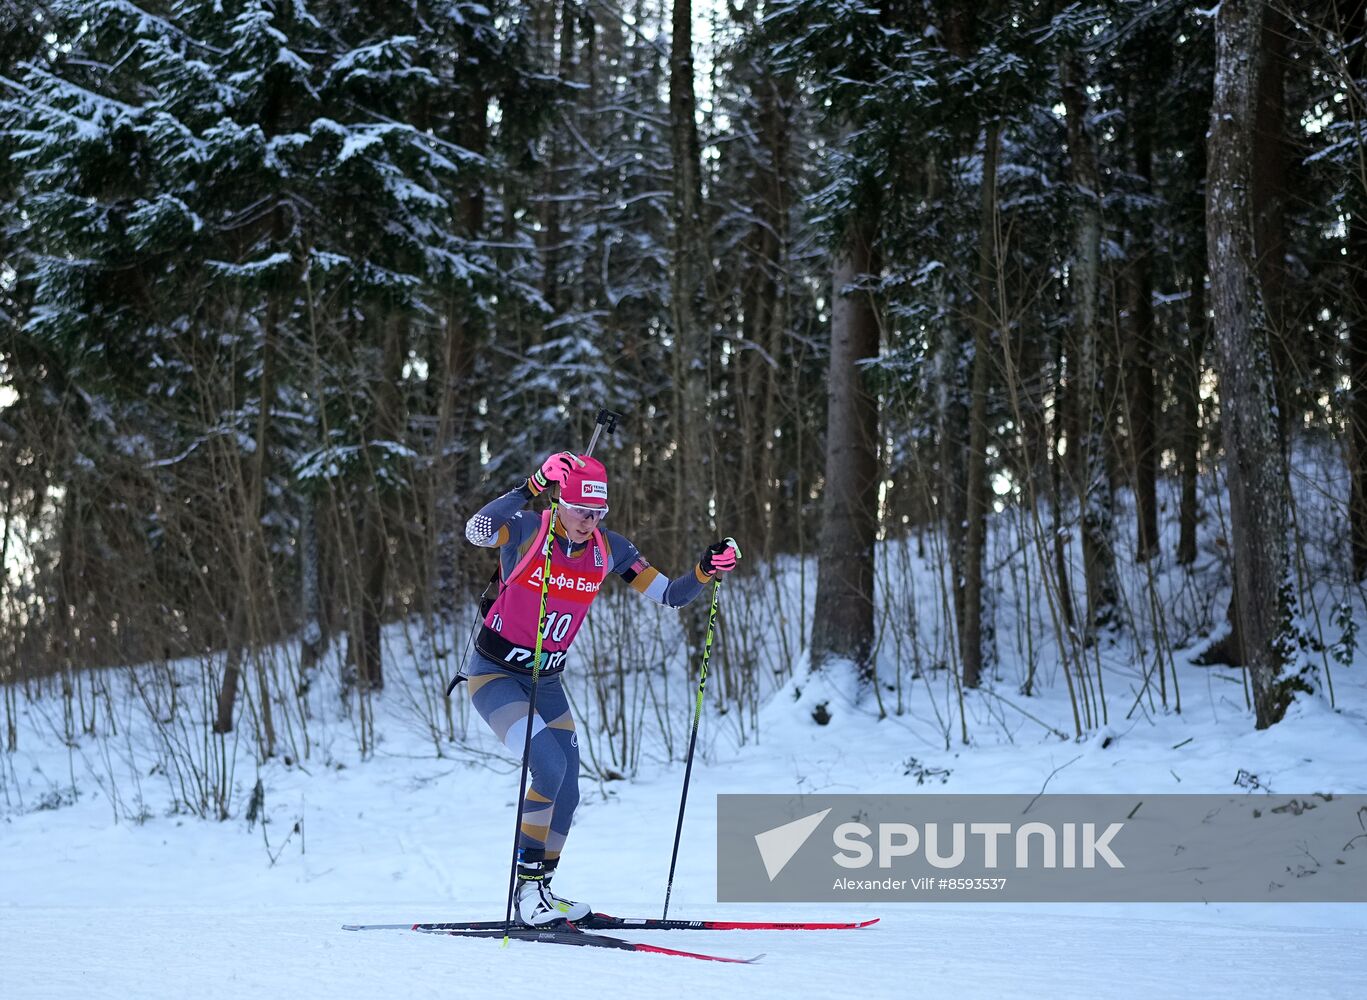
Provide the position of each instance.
(180, 907)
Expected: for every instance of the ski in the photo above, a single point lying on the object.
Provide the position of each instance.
(567, 935)
(604, 921)
(607, 922)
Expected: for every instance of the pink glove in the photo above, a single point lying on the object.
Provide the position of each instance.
(555, 469)
(720, 558)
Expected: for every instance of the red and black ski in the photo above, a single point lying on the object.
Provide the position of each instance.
(603, 921)
(607, 922)
(564, 934)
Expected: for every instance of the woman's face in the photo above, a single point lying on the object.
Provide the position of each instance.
(578, 523)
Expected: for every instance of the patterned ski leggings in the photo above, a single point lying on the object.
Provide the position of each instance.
(501, 697)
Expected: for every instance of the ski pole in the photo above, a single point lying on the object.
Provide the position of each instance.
(531, 714)
(693, 736)
(608, 419)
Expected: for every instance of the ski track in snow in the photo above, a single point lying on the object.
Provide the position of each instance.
(130, 952)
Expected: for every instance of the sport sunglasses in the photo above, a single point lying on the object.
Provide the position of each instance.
(597, 513)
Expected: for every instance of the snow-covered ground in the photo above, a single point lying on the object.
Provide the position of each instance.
(183, 907)
(94, 904)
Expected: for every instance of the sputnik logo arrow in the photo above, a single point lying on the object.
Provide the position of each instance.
(777, 846)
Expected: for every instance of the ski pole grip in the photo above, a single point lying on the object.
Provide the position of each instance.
(607, 419)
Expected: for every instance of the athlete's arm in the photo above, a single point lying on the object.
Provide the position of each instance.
(503, 520)
(631, 566)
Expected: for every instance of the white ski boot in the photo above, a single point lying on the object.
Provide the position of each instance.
(536, 905)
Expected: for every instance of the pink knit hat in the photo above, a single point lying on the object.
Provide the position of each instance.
(587, 485)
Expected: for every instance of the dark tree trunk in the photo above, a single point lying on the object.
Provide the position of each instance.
(842, 624)
(1138, 355)
(227, 692)
(976, 630)
(1256, 464)
(956, 24)
(757, 369)
(553, 234)
(365, 650)
(1060, 427)
(315, 633)
(455, 405)
(387, 425)
(1190, 362)
(254, 580)
(694, 475)
(1352, 38)
(1095, 495)
(1029, 354)
(259, 582)
(247, 626)
(951, 417)
(1357, 417)
(1269, 187)
(1187, 383)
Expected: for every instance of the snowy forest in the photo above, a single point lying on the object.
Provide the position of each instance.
(1000, 335)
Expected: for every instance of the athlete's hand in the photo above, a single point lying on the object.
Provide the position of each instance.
(720, 558)
(555, 469)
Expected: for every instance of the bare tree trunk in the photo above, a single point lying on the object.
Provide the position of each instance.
(1062, 422)
(689, 250)
(694, 475)
(551, 210)
(1031, 366)
(1269, 187)
(956, 23)
(778, 95)
(976, 501)
(314, 640)
(1256, 464)
(69, 577)
(366, 653)
(249, 626)
(1351, 32)
(951, 419)
(455, 404)
(1190, 364)
(842, 624)
(246, 628)
(1187, 383)
(1095, 494)
(756, 395)
(232, 673)
(258, 552)
(365, 647)
(1138, 354)
(10, 659)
